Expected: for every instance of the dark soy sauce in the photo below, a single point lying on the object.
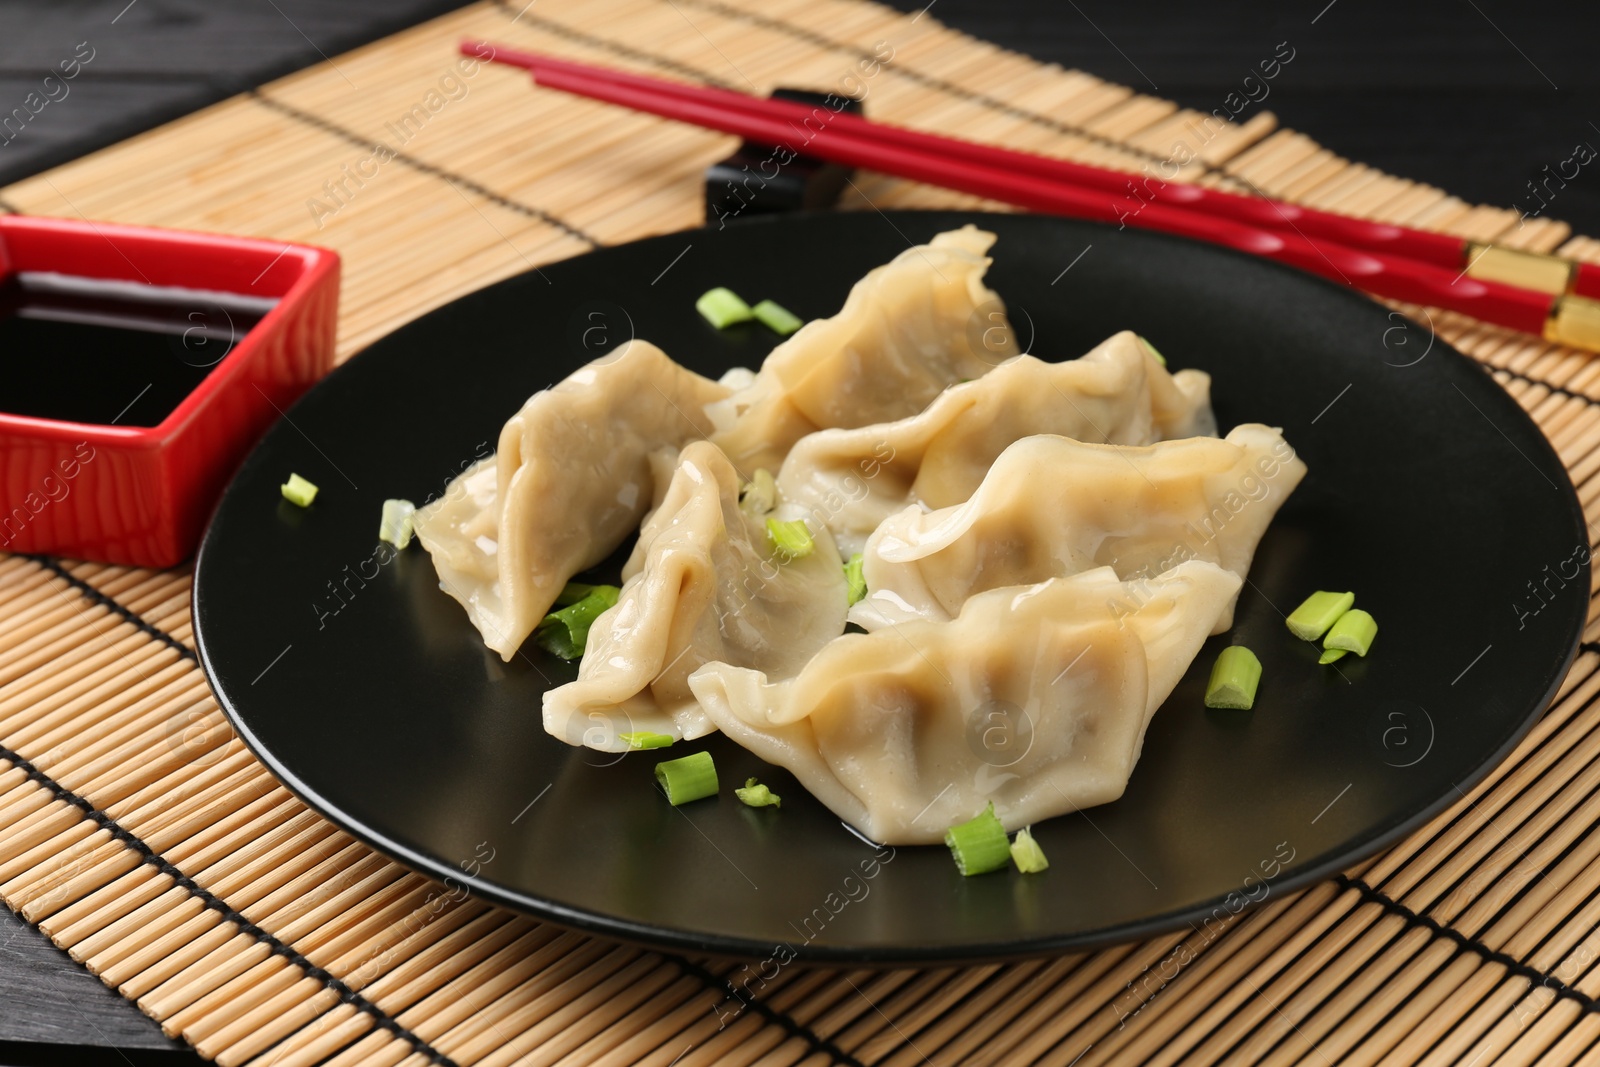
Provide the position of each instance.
(109, 352)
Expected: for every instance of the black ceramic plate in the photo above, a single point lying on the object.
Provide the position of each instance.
(1430, 493)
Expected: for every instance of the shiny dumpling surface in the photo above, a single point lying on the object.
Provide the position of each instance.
(570, 479)
(896, 731)
(909, 328)
(1051, 506)
(1117, 393)
(704, 583)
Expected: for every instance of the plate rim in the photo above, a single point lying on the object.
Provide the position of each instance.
(663, 938)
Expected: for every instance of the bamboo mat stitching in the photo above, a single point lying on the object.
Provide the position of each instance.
(429, 169)
(210, 900)
(112, 604)
(1495, 372)
(616, 48)
(766, 1011)
(1515, 966)
(384, 1021)
(930, 81)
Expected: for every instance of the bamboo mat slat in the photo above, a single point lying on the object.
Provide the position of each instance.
(142, 837)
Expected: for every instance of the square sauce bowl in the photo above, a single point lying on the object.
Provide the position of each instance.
(140, 365)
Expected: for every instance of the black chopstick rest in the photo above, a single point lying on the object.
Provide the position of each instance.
(755, 180)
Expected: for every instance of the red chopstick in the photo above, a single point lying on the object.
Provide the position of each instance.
(1550, 274)
(1049, 185)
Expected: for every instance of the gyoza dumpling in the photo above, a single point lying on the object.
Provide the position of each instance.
(896, 731)
(570, 480)
(1118, 393)
(909, 328)
(703, 583)
(1052, 506)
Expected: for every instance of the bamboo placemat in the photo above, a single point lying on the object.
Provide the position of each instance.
(138, 833)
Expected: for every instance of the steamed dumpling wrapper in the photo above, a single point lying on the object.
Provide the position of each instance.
(1118, 393)
(704, 583)
(889, 729)
(921, 322)
(1052, 506)
(569, 482)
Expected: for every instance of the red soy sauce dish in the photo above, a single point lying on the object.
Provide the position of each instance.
(140, 365)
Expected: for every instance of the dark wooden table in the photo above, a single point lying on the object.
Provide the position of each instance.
(1475, 96)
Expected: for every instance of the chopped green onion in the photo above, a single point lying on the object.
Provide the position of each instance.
(776, 317)
(757, 795)
(1353, 632)
(1026, 853)
(298, 491)
(1321, 610)
(573, 592)
(722, 308)
(566, 631)
(646, 739)
(689, 778)
(1332, 655)
(979, 845)
(791, 539)
(1234, 679)
(855, 579)
(1148, 347)
(760, 495)
(395, 526)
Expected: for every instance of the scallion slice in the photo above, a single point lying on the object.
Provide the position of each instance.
(1320, 610)
(979, 845)
(1332, 655)
(690, 778)
(760, 495)
(779, 319)
(722, 308)
(395, 525)
(856, 581)
(298, 491)
(1353, 632)
(1026, 853)
(1150, 348)
(573, 592)
(756, 795)
(1234, 679)
(646, 739)
(791, 539)
(566, 630)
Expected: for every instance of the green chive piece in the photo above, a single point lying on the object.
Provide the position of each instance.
(979, 845)
(1353, 632)
(760, 495)
(566, 631)
(298, 491)
(1320, 610)
(757, 795)
(1332, 655)
(779, 319)
(1150, 348)
(791, 539)
(1026, 853)
(690, 778)
(722, 308)
(395, 526)
(855, 579)
(1234, 679)
(573, 592)
(646, 739)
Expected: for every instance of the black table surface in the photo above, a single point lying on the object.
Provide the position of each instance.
(1477, 97)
